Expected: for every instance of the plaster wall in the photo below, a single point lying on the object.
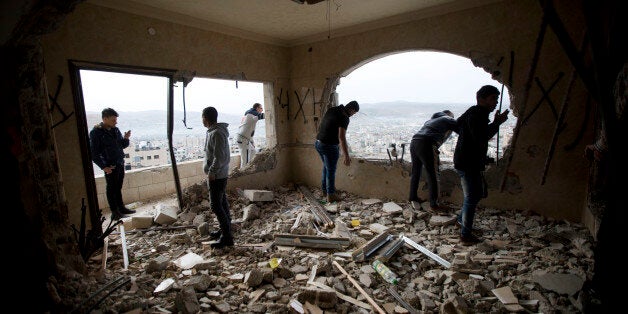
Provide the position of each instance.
(484, 35)
(96, 34)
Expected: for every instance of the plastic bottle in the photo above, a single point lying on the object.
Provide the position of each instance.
(384, 271)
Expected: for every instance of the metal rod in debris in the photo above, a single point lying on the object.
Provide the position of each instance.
(427, 252)
(403, 302)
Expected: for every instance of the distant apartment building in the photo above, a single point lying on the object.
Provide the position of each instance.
(146, 154)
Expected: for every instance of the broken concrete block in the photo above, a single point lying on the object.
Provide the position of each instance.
(250, 212)
(200, 283)
(158, 263)
(188, 261)
(510, 301)
(377, 227)
(164, 286)
(441, 220)
(560, 283)
(371, 201)
(236, 277)
(128, 224)
(391, 208)
(142, 222)
(258, 195)
(186, 301)
(254, 278)
(198, 220)
(325, 299)
(165, 215)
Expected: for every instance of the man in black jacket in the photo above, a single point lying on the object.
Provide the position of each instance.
(474, 132)
(107, 146)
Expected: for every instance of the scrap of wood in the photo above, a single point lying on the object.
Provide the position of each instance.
(311, 241)
(505, 296)
(342, 296)
(256, 295)
(313, 273)
(124, 252)
(319, 212)
(296, 222)
(357, 286)
(296, 306)
(104, 253)
(159, 228)
(363, 252)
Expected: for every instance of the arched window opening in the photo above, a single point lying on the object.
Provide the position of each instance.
(398, 93)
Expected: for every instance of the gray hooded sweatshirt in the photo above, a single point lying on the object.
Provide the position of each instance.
(217, 155)
(438, 128)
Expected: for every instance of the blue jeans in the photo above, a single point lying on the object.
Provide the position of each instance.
(330, 153)
(472, 186)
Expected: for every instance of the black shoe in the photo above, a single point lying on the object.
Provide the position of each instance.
(222, 242)
(475, 232)
(215, 235)
(125, 211)
(116, 215)
(469, 240)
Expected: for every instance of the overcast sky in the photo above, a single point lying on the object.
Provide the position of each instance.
(429, 77)
(412, 76)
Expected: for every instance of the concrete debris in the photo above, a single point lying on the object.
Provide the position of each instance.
(165, 214)
(543, 262)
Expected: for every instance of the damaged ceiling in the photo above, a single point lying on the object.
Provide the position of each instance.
(287, 22)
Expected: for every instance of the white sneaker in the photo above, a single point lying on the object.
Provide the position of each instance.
(416, 205)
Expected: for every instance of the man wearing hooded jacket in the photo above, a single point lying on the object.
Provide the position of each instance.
(216, 167)
(424, 151)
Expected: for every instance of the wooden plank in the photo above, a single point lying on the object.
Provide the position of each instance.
(105, 248)
(357, 286)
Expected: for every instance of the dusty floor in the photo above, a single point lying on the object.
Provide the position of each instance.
(543, 262)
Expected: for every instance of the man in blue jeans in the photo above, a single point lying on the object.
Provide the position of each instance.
(331, 134)
(474, 132)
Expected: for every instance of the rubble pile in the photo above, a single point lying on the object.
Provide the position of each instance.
(525, 263)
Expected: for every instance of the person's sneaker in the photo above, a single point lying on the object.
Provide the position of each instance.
(415, 205)
(215, 235)
(469, 240)
(222, 243)
(126, 211)
(333, 198)
(476, 232)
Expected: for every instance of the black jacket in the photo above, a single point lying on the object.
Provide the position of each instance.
(107, 146)
(474, 131)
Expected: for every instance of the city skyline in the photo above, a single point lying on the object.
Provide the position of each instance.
(369, 135)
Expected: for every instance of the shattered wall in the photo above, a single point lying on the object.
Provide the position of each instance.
(96, 34)
(486, 35)
(296, 98)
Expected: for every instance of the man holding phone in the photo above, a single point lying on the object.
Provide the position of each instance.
(107, 146)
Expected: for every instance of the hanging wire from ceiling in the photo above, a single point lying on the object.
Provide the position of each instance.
(329, 15)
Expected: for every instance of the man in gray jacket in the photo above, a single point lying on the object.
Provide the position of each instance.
(424, 150)
(216, 167)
